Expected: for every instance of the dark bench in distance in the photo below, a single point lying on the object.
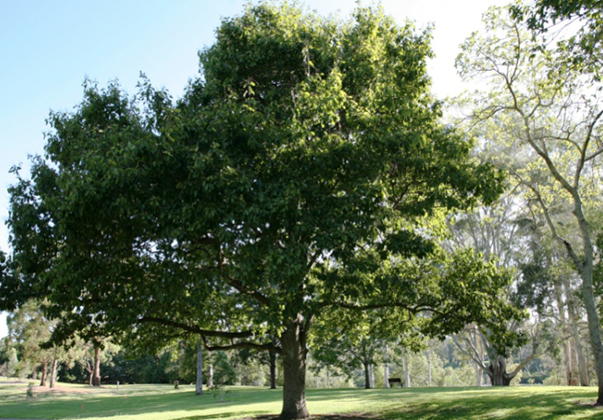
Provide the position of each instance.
(395, 381)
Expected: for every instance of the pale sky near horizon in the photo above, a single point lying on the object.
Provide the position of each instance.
(48, 48)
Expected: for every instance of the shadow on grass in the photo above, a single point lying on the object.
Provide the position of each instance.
(392, 404)
(503, 404)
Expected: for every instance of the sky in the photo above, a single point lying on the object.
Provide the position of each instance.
(49, 47)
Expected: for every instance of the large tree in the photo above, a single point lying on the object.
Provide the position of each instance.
(544, 121)
(284, 183)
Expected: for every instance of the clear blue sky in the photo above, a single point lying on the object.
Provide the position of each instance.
(48, 47)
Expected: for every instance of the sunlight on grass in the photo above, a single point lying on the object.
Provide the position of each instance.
(163, 402)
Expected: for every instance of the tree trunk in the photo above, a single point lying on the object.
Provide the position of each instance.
(272, 356)
(385, 375)
(429, 365)
(199, 383)
(479, 373)
(210, 379)
(96, 378)
(53, 372)
(371, 375)
(293, 341)
(406, 369)
(573, 327)
(367, 375)
(566, 347)
(585, 268)
(44, 370)
(497, 371)
(386, 368)
(593, 325)
(90, 372)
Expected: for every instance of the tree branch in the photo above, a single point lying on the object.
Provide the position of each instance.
(193, 328)
(260, 298)
(244, 345)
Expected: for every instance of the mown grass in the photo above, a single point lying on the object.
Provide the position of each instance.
(163, 402)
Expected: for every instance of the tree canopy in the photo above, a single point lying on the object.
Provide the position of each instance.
(543, 119)
(289, 179)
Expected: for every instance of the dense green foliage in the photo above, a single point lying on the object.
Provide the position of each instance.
(289, 180)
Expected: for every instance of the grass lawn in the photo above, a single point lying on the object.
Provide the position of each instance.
(154, 402)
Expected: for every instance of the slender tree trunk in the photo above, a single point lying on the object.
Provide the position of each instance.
(328, 378)
(593, 326)
(385, 375)
(199, 382)
(573, 328)
(272, 356)
(585, 268)
(210, 379)
(372, 375)
(406, 369)
(566, 347)
(429, 365)
(96, 378)
(386, 368)
(293, 341)
(53, 372)
(90, 372)
(44, 370)
(367, 375)
(479, 373)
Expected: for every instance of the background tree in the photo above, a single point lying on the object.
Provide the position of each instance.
(547, 118)
(30, 331)
(494, 232)
(285, 183)
(582, 48)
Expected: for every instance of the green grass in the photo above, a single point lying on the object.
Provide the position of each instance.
(154, 402)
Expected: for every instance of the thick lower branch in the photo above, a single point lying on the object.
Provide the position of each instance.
(194, 328)
(244, 345)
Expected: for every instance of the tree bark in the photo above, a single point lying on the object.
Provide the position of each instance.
(293, 341)
(497, 371)
(429, 365)
(566, 347)
(96, 378)
(573, 327)
(199, 382)
(53, 373)
(585, 268)
(479, 373)
(272, 356)
(386, 368)
(588, 295)
(385, 375)
(44, 370)
(210, 379)
(367, 375)
(406, 369)
(90, 372)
